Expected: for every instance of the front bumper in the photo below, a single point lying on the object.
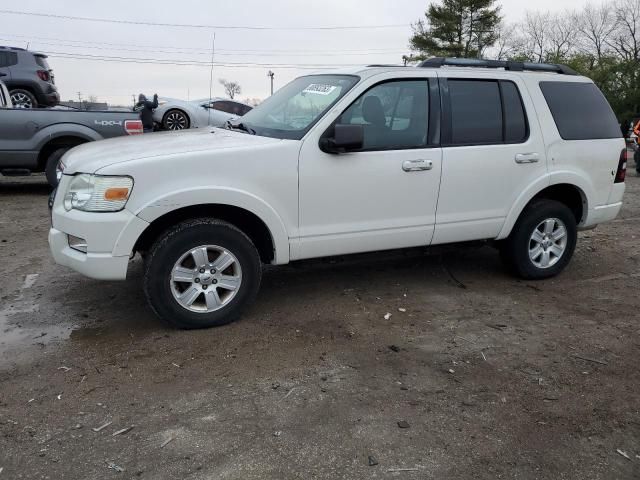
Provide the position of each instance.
(110, 239)
(101, 266)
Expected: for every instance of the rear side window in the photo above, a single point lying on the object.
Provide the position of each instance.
(475, 112)
(42, 61)
(580, 110)
(515, 127)
(8, 59)
(486, 112)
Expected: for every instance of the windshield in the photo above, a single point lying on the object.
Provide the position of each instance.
(295, 108)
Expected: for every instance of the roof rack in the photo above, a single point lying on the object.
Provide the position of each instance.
(438, 62)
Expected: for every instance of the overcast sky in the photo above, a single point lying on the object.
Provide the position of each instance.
(116, 82)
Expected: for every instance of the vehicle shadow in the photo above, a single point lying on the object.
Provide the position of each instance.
(34, 185)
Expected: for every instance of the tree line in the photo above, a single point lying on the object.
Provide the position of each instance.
(601, 41)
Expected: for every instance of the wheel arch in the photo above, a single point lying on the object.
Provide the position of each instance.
(270, 240)
(571, 193)
(60, 141)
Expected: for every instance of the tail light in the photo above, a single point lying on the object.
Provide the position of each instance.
(133, 127)
(622, 167)
(44, 75)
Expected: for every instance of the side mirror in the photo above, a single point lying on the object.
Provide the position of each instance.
(345, 138)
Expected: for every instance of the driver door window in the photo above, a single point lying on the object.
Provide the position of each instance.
(394, 115)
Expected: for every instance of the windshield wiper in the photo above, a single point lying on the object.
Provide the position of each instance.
(240, 126)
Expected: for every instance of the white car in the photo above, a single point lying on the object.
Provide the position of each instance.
(173, 114)
(352, 161)
(5, 98)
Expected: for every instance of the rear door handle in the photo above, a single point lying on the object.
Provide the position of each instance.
(527, 158)
(417, 165)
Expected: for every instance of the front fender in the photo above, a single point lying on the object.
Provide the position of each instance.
(559, 177)
(222, 196)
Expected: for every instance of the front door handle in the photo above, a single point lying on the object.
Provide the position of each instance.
(527, 158)
(417, 165)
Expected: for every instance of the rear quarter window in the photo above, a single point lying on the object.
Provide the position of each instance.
(580, 110)
(42, 61)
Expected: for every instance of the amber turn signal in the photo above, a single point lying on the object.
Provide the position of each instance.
(116, 194)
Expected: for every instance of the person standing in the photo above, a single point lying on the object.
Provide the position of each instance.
(146, 108)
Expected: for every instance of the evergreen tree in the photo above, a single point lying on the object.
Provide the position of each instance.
(457, 28)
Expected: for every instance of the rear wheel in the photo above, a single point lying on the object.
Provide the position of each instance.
(23, 98)
(542, 241)
(53, 162)
(202, 273)
(176, 120)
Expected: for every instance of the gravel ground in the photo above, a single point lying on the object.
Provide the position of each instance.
(492, 377)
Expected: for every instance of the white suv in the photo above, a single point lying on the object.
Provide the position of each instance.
(352, 161)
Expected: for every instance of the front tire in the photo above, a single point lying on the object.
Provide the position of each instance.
(202, 273)
(542, 241)
(176, 120)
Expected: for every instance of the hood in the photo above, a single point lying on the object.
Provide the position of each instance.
(91, 157)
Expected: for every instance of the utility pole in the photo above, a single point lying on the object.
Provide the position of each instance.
(133, 99)
(79, 97)
(271, 75)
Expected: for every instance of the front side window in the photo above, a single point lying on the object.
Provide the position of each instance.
(394, 115)
(295, 108)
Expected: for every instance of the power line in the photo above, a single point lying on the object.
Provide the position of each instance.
(191, 49)
(184, 25)
(224, 53)
(159, 61)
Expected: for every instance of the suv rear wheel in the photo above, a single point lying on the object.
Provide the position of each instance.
(23, 99)
(542, 241)
(202, 273)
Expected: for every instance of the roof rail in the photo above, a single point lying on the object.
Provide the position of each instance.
(438, 62)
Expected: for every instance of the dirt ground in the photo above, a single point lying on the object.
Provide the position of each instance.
(494, 377)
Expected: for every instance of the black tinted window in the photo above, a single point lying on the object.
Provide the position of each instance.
(580, 111)
(515, 128)
(7, 59)
(476, 112)
(394, 115)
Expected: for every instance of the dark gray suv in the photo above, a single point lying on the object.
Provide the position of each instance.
(28, 77)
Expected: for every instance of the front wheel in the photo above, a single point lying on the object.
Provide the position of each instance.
(202, 273)
(542, 241)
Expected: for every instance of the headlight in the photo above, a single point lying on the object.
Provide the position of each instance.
(97, 193)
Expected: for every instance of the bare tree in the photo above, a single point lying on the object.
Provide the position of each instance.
(508, 43)
(596, 27)
(231, 88)
(563, 35)
(626, 39)
(536, 30)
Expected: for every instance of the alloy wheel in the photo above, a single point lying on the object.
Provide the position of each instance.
(205, 279)
(548, 243)
(176, 121)
(20, 100)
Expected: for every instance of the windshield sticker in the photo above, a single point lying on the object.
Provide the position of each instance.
(320, 89)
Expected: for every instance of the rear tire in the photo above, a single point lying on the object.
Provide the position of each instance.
(542, 241)
(23, 98)
(51, 168)
(202, 273)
